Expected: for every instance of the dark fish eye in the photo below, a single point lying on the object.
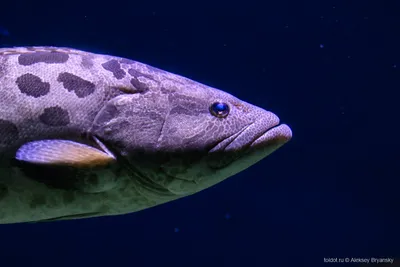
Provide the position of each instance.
(219, 109)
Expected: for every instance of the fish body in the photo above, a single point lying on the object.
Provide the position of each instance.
(85, 135)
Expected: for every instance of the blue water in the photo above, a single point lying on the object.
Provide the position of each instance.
(330, 69)
(4, 31)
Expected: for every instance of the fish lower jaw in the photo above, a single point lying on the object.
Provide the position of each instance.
(277, 135)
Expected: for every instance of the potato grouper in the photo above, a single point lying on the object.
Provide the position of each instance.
(85, 135)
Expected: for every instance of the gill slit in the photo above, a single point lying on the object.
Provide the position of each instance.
(233, 139)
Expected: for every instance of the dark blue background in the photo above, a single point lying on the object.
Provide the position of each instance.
(330, 69)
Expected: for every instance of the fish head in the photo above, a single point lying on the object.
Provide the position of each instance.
(186, 137)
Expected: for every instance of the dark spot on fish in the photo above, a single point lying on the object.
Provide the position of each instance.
(32, 85)
(135, 73)
(114, 67)
(139, 86)
(79, 86)
(3, 191)
(55, 116)
(8, 132)
(52, 57)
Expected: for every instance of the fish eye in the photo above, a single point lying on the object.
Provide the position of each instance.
(219, 109)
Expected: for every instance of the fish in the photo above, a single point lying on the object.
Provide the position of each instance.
(86, 135)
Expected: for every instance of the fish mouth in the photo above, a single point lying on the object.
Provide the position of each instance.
(277, 135)
(251, 144)
(264, 132)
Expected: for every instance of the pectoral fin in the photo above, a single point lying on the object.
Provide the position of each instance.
(64, 153)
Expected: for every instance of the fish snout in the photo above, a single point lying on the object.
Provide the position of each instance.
(265, 132)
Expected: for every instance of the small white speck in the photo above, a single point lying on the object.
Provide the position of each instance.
(394, 66)
(348, 57)
(322, 17)
(321, 46)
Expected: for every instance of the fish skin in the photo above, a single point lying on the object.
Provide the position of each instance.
(167, 143)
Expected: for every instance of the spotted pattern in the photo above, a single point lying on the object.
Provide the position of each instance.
(55, 116)
(139, 86)
(52, 57)
(82, 88)
(8, 132)
(32, 85)
(114, 67)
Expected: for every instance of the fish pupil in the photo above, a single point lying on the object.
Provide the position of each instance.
(219, 109)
